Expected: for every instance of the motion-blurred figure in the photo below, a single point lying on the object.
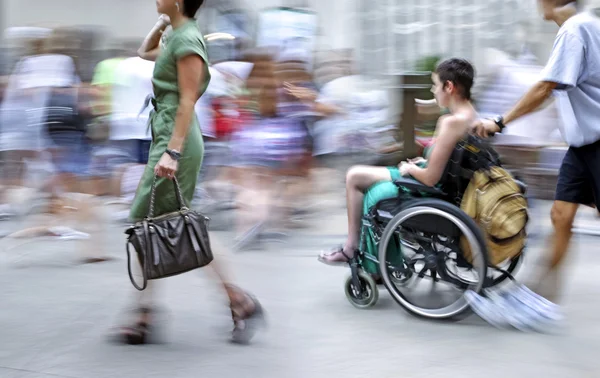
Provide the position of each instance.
(572, 74)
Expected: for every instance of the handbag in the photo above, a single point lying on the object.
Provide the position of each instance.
(169, 244)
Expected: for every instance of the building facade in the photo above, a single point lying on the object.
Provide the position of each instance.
(387, 36)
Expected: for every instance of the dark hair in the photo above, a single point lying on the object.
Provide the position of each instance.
(459, 72)
(190, 7)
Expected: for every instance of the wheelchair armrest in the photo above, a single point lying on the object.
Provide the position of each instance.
(413, 184)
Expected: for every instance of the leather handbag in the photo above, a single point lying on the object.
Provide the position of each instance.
(169, 244)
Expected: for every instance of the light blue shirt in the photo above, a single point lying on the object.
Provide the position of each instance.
(574, 65)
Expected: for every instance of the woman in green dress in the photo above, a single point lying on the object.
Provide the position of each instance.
(180, 77)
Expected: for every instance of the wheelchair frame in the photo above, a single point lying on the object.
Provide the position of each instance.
(361, 288)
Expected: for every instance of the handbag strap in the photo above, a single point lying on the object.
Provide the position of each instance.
(145, 259)
(153, 196)
(145, 283)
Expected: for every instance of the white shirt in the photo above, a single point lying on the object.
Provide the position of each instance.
(50, 70)
(574, 65)
(22, 113)
(133, 83)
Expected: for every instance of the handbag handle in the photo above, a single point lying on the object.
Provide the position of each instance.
(144, 264)
(180, 200)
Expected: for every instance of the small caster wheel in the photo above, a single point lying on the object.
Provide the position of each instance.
(364, 297)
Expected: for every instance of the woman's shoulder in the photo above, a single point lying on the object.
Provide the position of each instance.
(459, 122)
(189, 34)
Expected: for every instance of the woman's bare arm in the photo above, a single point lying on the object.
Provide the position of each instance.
(450, 131)
(190, 72)
(150, 48)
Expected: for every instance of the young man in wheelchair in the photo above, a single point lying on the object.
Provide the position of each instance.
(367, 185)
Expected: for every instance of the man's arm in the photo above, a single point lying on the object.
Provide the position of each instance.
(531, 101)
(561, 73)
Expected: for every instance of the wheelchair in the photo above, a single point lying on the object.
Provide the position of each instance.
(417, 236)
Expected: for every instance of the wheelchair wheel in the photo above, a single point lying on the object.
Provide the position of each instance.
(434, 229)
(364, 297)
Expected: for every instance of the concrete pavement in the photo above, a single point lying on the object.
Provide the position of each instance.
(55, 316)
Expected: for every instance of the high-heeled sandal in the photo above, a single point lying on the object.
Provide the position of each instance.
(137, 334)
(246, 322)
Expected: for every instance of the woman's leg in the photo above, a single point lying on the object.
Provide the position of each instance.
(138, 331)
(358, 179)
(246, 311)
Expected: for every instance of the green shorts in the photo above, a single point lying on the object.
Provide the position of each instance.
(381, 190)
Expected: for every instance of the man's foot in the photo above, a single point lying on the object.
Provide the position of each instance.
(542, 315)
(519, 308)
(336, 257)
(487, 309)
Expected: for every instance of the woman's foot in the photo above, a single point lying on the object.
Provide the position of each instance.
(337, 257)
(139, 332)
(247, 314)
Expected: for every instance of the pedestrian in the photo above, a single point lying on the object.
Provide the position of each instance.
(573, 75)
(181, 76)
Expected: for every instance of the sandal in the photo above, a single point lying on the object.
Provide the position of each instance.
(137, 334)
(248, 315)
(337, 257)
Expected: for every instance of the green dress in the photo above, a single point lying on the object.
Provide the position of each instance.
(183, 41)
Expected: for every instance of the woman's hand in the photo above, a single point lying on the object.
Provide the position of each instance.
(164, 19)
(405, 168)
(417, 160)
(166, 166)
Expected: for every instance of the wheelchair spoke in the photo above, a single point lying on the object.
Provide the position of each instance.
(421, 273)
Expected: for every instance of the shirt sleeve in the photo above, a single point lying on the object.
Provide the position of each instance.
(189, 44)
(192, 44)
(566, 60)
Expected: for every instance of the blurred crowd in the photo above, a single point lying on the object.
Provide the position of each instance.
(270, 118)
(263, 118)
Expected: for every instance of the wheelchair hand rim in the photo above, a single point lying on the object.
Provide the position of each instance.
(460, 305)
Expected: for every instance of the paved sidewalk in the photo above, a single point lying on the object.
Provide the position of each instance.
(56, 314)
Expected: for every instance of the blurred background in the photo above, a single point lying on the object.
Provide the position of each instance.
(73, 140)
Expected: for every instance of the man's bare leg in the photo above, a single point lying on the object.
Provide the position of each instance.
(563, 216)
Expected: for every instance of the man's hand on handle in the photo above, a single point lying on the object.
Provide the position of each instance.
(485, 128)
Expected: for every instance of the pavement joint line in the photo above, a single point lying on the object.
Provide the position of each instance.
(36, 372)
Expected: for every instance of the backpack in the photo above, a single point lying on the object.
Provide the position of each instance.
(470, 155)
(497, 204)
(475, 181)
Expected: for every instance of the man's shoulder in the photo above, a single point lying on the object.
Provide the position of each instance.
(580, 25)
